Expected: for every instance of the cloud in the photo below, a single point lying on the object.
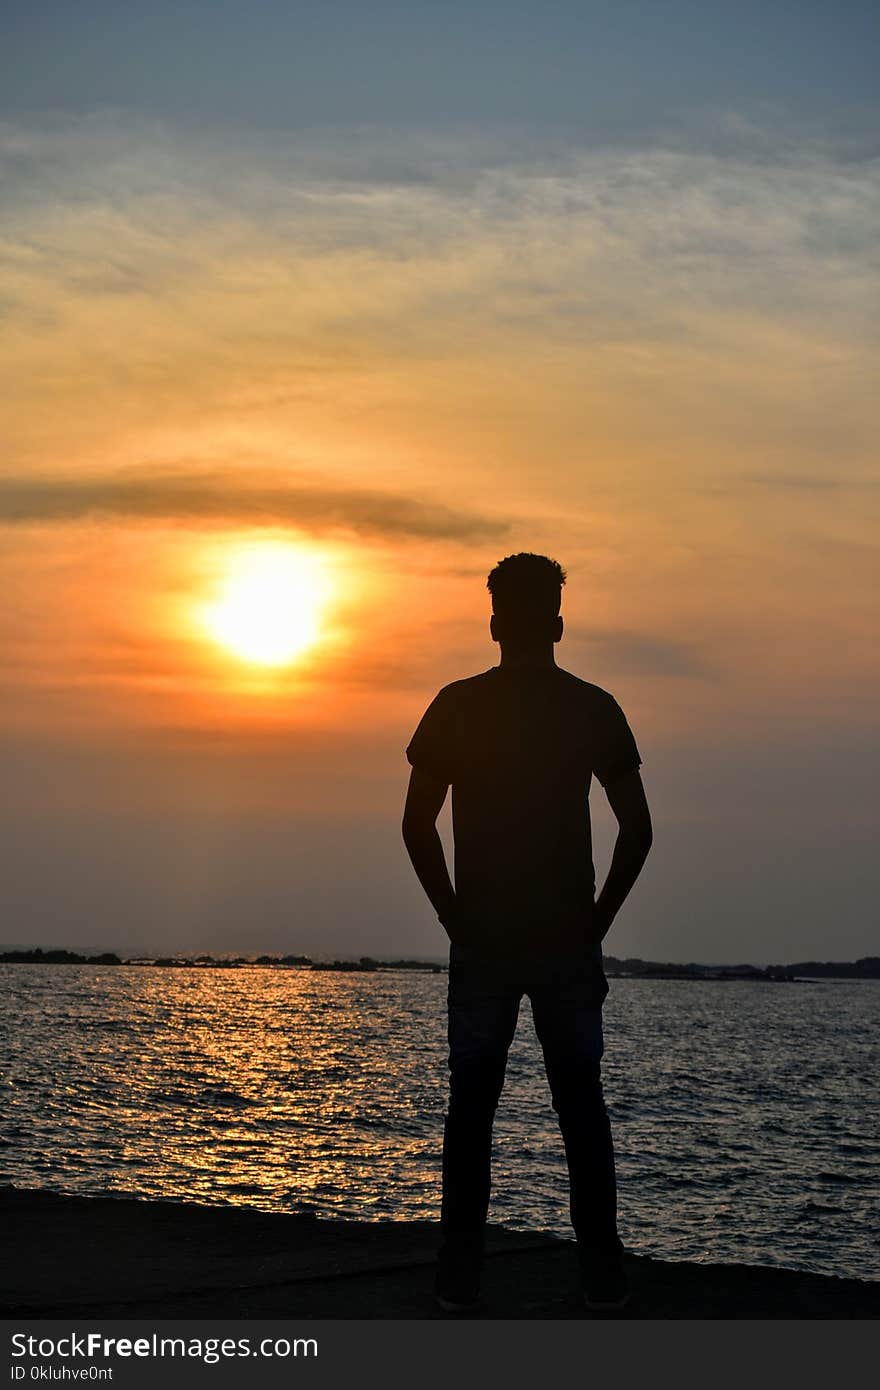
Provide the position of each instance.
(642, 653)
(513, 316)
(206, 498)
(126, 207)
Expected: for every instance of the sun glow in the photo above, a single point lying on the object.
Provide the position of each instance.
(269, 607)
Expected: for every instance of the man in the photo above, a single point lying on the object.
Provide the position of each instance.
(519, 744)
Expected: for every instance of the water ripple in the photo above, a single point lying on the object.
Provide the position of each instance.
(744, 1117)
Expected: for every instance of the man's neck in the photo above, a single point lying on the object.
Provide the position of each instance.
(516, 657)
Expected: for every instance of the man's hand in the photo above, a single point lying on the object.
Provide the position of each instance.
(599, 925)
(451, 924)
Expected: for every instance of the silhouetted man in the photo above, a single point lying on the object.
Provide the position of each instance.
(519, 745)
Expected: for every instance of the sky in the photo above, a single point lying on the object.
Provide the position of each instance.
(351, 301)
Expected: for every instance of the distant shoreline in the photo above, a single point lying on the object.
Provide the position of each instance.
(867, 968)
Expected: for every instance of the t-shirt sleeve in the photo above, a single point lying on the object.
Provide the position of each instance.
(615, 750)
(432, 746)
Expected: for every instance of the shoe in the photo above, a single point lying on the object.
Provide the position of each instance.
(457, 1279)
(603, 1280)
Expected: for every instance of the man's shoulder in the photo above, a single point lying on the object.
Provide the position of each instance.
(475, 696)
(586, 691)
(461, 690)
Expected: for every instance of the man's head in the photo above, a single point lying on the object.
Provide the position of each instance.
(526, 594)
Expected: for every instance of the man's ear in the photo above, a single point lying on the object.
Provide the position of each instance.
(492, 628)
(557, 635)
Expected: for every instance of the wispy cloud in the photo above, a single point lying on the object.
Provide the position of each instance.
(204, 498)
(334, 289)
(642, 653)
(612, 236)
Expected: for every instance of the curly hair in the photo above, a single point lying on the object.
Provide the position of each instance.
(526, 587)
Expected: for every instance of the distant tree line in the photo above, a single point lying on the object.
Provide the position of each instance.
(56, 957)
(867, 968)
(37, 956)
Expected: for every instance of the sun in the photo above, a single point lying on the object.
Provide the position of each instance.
(269, 606)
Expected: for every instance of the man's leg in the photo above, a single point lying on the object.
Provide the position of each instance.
(567, 1008)
(483, 1006)
(568, 1021)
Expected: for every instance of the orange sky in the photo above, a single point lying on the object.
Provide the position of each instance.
(651, 366)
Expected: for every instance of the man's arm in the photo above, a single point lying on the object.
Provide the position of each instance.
(626, 796)
(424, 798)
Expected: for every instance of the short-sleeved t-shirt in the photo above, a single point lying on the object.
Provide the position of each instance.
(519, 747)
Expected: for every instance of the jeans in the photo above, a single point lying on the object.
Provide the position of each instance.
(566, 992)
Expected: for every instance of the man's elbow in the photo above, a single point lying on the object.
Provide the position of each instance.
(639, 836)
(415, 830)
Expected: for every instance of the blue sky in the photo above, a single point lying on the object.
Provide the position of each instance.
(615, 66)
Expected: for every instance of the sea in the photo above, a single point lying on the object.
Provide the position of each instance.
(745, 1113)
